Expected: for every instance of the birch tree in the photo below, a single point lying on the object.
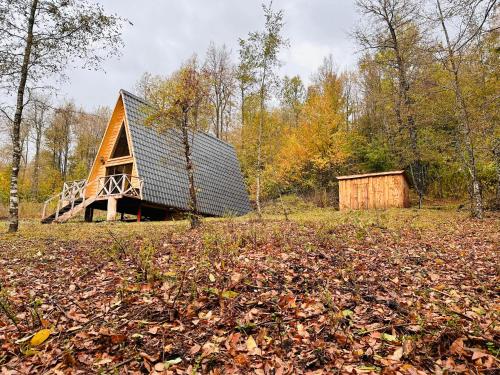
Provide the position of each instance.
(40, 38)
(259, 55)
(461, 22)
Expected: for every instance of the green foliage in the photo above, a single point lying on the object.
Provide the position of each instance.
(376, 157)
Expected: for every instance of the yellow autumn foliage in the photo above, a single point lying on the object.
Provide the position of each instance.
(318, 145)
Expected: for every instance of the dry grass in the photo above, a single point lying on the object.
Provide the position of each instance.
(432, 219)
(27, 210)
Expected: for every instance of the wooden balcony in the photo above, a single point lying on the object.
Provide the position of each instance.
(119, 185)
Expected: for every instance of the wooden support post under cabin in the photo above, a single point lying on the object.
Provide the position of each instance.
(139, 214)
(89, 214)
(111, 214)
(122, 216)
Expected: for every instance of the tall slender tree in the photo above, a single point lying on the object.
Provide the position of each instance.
(37, 116)
(39, 38)
(259, 55)
(245, 82)
(221, 76)
(293, 95)
(471, 17)
(59, 136)
(65, 118)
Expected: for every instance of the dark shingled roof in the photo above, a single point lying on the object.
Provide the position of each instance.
(161, 164)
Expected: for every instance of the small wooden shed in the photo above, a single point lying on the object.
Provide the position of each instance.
(373, 190)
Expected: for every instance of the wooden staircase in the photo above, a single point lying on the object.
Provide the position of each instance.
(72, 200)
(69, 203)
(60, 213)
(67, 212)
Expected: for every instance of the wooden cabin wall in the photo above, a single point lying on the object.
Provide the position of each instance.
(106, 149)
(373, 192)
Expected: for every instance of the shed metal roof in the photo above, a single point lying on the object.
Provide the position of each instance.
(161, 164)
(377, 174)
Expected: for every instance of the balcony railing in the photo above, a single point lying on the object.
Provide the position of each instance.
(120, 185)
(74, 193)
(73, 190)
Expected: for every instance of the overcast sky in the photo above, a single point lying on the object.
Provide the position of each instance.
(167, 32)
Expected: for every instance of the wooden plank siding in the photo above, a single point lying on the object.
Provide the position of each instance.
(376, 191)
(106, 149)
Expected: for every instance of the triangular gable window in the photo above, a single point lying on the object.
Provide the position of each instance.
(121, 145)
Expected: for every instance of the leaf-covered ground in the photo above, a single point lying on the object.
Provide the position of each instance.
(407, 292)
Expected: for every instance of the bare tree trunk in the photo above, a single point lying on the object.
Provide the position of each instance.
(219, 68)
(470, 159)
(16, 126)
(193, 204)
(416, 166)
(259, 145)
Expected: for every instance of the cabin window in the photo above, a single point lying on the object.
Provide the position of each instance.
(119, 169)
(121, 145)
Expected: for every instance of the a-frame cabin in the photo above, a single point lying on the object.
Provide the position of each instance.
(140, 171)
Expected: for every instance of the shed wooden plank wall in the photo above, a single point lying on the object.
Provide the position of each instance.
(106, 148)
(373, 192)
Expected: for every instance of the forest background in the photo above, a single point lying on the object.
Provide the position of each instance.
(423, 97)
